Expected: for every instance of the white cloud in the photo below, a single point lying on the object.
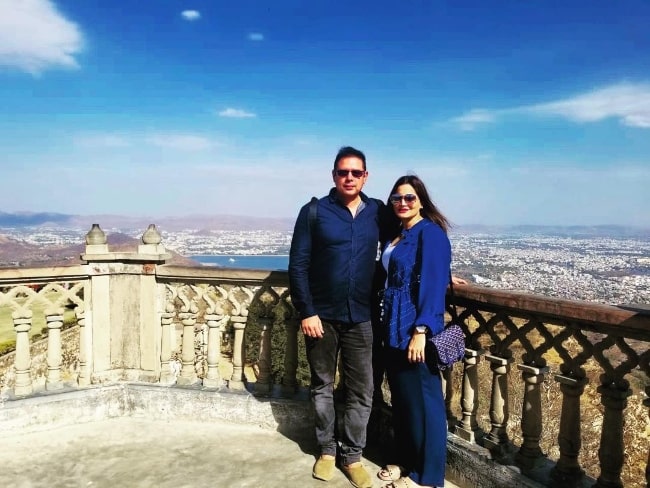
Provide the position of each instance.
(563, 171)
(101, 140)
(639, 120)
(181, 142)
(34, 36)
(627, 102)
(236, 113)
(630, 103)
(191, 15)
(255, 36)
(470, 120)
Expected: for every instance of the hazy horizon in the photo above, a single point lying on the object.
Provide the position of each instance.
(25, 219)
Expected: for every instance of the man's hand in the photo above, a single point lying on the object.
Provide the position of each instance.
(312, 327)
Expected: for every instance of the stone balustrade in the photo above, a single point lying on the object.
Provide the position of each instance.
(140, 320)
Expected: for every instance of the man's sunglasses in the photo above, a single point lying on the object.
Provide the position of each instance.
(343, 173)
(396, 199)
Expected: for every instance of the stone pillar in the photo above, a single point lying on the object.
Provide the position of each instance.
(85, 347)
(54, 356)
(497, 439)
(213, 376)
(646, 402)
(531, 415)
(237, 380)
(167, 377)
(289, 380)
(123, 301)
(263, 384)
(23, 363)
(467, 428)
(611, 451)
(567, 471)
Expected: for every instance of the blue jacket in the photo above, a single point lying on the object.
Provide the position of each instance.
(415, 293)
(331, 265)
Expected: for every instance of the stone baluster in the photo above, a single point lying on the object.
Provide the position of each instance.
(612, 446)
(237, 380)
(448, 393)
(263, 384)
(201, 332)
(567, 470)
(289, 380)
(646, 402)
(54, 323)
(212, 376)
(497, 439)
(85, 347)
(23, 362)
(467, 428)
(187, 375)
(167, 376)
(531, 415)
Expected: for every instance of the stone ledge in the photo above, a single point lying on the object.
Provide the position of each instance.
(473, 465)
(48, 410)
(468, 465)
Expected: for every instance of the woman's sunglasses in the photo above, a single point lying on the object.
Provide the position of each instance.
(396, 199)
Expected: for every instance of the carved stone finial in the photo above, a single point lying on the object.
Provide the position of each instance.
(95, 236)
(151, 235)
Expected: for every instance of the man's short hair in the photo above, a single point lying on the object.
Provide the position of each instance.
(347, 152)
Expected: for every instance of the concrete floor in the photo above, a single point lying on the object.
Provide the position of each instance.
(137, 452)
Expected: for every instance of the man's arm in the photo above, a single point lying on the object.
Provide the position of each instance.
(299, 264)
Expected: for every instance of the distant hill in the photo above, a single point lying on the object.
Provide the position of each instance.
(208, 222)
(28, 219)
(21, 254)
(556, 230)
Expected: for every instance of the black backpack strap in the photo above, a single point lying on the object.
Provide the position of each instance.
(313, 213)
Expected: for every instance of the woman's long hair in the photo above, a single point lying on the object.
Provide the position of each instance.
(429, 210)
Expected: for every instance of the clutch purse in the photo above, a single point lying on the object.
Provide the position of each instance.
(447, 346)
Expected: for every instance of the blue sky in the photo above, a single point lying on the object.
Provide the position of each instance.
(513, 112)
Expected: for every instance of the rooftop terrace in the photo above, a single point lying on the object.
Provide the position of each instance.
(158, 375)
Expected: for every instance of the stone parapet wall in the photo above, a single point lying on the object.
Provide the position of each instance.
(291, 417)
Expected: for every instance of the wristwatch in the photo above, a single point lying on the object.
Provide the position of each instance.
(421, 329)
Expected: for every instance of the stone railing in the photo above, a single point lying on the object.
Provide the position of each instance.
(141, 320)
(579, 345)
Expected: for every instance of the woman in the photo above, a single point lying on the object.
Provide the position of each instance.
(417, 262)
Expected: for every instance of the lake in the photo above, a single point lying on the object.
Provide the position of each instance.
(269, 262)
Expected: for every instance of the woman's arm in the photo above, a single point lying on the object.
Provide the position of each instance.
(434, 278)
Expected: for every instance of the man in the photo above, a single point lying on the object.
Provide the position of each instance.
(331, 268)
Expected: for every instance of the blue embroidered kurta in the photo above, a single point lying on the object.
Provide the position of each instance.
(415, 295)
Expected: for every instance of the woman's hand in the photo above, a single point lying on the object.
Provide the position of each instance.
(415, 351)
(457, 280)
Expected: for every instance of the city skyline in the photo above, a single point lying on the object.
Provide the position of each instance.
(512, 113)
(608, 268)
